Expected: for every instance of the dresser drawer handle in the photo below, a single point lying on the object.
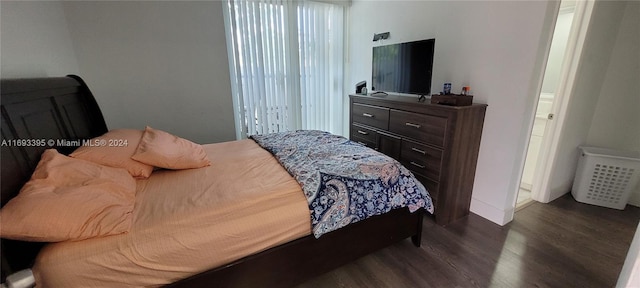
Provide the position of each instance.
(363, 132)
(417, 165)
(368, 115)
(362, 143)
(412, 125)
(418, 150)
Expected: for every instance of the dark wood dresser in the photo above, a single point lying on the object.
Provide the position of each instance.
(438, 143)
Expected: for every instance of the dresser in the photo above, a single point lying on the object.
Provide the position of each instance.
(438, 143)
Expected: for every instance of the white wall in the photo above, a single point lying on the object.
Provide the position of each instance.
(608, 73)
(35, 41)
(162, 64)
(491, 46)
(616, 119)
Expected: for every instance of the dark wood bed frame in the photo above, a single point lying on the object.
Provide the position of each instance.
(64, 108)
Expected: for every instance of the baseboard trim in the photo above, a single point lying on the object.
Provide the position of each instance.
(491, 213)
(634, 198)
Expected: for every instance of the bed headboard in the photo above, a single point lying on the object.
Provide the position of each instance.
(37, 114)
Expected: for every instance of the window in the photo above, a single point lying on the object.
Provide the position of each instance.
(286, 63)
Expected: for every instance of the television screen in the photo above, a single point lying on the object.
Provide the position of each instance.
(403, 67)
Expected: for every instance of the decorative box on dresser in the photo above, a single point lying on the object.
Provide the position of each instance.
(438, 143)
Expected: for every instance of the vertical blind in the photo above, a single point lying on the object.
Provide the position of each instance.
(286, 63)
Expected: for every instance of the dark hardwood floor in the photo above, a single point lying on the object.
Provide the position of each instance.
(560, 244)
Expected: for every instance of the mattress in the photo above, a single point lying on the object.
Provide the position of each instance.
(186, 222)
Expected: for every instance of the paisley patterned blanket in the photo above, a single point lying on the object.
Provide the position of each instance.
(344, 182)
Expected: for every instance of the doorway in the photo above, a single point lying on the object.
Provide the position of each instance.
(544, 111)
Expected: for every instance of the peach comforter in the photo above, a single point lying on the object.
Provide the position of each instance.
(186, 222)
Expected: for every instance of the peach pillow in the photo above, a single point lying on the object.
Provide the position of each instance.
(70, 199)
(115, 149)
(164, 150)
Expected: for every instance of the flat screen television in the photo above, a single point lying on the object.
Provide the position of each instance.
(403, 67)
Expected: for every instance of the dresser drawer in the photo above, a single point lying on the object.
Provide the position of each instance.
(425, 128)
(370, 115)
(421, 159)
(363, 133)
(365, 142)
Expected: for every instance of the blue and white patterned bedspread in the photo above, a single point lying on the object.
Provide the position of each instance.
(344, 181)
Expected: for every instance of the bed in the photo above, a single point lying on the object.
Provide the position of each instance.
(64, 109)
